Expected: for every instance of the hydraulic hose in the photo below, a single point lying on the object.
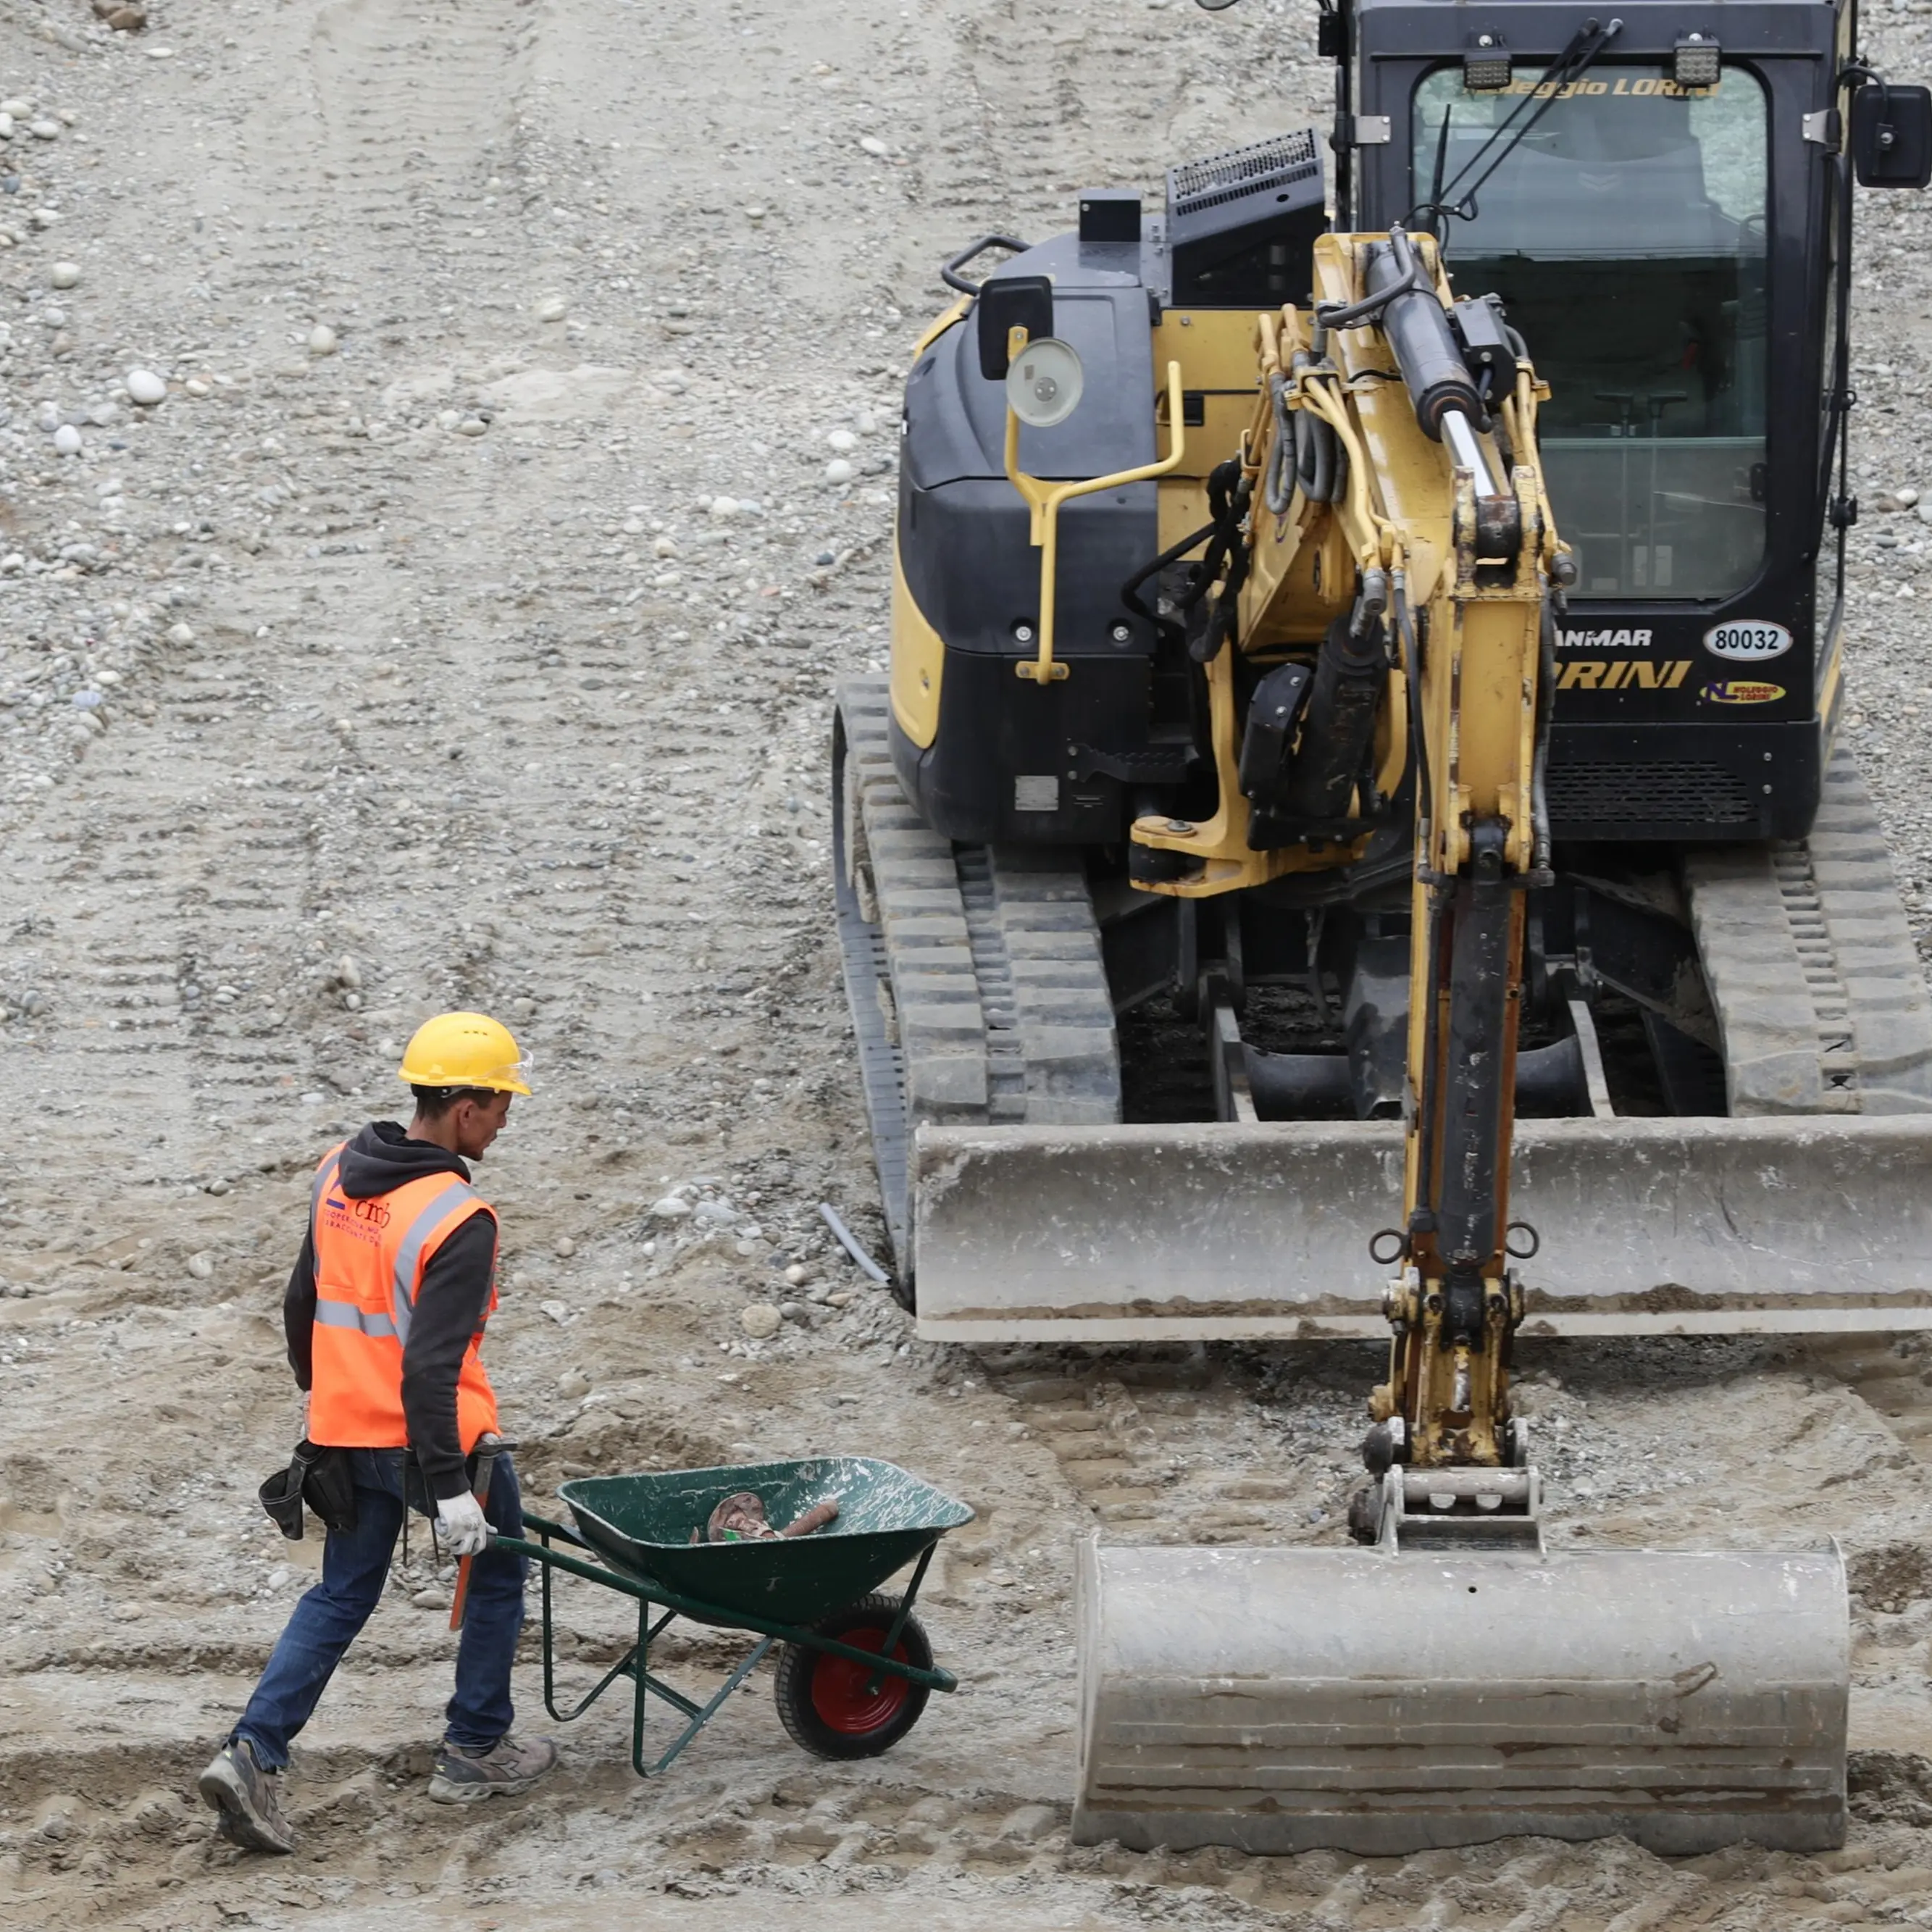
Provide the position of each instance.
(1130, 591)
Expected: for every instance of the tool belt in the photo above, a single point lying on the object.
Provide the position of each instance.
(323, 1479)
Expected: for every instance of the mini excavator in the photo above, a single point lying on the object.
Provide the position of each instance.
(1282, 664)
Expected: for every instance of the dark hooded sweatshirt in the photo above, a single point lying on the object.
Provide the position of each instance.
(452, 1305)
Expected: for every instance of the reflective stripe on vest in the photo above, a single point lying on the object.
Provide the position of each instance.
(403, 1287)
(333, 1314)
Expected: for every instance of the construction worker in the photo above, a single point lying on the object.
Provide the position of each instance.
(384, 1313)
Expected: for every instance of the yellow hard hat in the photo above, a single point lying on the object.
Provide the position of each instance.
(464, 1050)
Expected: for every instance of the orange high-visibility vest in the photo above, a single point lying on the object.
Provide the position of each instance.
(370, 1256)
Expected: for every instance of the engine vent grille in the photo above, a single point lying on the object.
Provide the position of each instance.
(1627, 794)
(1274, 163)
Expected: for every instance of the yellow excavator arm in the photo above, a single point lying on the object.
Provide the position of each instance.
(1390, 590)
(1396, 525)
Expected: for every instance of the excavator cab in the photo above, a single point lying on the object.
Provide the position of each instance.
(1662, 201)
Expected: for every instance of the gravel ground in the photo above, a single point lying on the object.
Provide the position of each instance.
(459, 628)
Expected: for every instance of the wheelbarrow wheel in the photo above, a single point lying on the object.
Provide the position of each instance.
(823, 1702)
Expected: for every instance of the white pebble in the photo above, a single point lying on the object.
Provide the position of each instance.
(566, 1247)
(843, 441)
(755, 214)
(63, 275)
(321, 340)
(797, 1275)
(665, 547)
(873, 144)
(472, 426)
(866, 423)
(146, 388)
(839, 471)
(195, 386)
(66, 440)
(44, 130)
(672, 1207)
(180, 634)
(761, 1320)
(201, 1266)
(573, 1385)
(724, 508)
(1908, 498)
(552, 308)
(17, 108)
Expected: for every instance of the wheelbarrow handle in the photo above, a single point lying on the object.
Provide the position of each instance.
(489, 1447)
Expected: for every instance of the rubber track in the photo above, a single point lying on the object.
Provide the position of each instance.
(974, 973)
(1820, 995)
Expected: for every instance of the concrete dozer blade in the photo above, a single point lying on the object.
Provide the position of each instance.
(1277, 1700)
(1806, 1223)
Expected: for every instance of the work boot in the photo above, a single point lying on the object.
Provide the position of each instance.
(510, 1765)
(245, 1794)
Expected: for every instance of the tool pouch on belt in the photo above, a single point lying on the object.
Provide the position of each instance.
(324, 1479)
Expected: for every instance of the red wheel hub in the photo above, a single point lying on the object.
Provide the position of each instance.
(838, 1687)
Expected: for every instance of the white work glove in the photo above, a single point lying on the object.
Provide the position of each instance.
(461, 1519)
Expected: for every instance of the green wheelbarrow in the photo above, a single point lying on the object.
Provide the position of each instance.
(856, 1668)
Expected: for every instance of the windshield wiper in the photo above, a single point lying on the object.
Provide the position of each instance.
(1570, 66)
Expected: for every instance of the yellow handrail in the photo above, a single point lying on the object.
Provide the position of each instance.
(1044, 500)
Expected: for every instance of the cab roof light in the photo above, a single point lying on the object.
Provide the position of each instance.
(1696, 60)
(1486, 66)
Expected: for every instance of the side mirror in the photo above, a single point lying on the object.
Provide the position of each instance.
(1891, 136)
(1007, 302)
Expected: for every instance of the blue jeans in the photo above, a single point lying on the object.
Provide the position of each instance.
(354, 1568)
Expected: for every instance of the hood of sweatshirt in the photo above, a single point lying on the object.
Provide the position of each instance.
(383, 1156)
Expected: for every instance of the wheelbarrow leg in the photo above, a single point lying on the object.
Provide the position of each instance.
(700, 1715)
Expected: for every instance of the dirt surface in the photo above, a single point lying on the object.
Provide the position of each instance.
(404, 656)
